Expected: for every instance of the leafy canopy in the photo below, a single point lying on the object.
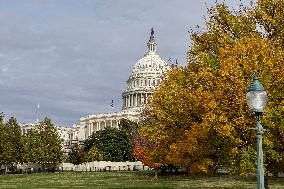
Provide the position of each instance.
(198, 118)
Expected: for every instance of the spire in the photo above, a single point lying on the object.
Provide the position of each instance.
(151, 43)
(152, 34)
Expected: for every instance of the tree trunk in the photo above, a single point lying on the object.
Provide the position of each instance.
(156, 174)
(266, 182)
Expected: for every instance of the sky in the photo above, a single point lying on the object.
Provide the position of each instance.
(73, 57)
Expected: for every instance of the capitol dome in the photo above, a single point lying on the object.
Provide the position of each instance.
(146, 75)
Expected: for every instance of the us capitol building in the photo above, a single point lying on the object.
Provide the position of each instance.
(146, 75)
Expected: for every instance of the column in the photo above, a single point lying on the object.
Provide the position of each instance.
(111, 123)
(90, 129)
(137, 102)
(141, 98)
(128, 101)
(95, 127)
(101, 125)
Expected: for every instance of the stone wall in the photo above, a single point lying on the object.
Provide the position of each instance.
(104, 166)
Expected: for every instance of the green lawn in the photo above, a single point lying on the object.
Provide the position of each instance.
(128, 180)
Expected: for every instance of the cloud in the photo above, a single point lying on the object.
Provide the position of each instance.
(73, 57)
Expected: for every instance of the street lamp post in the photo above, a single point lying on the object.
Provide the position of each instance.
(256, 100)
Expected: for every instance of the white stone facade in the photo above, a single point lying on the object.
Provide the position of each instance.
(62, 131)
(25, 127)
(77, 133)
(64, 135)
(145, 77)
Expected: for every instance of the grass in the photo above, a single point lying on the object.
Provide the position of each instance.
(127, 180)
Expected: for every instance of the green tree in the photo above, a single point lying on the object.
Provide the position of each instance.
(14, 143)
(33, 147)
(93, 155)
(51, 152)
(111, 143)
(2, 140)
(76, 155)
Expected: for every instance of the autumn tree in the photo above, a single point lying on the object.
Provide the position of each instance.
(198, 118)
(93, 154)
(144, 149)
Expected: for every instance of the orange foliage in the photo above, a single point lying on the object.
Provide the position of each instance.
(198, 118)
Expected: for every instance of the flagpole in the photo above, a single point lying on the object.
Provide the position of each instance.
(37, 113)
(112, 105)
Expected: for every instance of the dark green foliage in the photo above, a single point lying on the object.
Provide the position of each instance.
(76, 154)
(113, 144)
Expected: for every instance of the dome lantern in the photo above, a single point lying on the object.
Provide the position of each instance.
(151, 43)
